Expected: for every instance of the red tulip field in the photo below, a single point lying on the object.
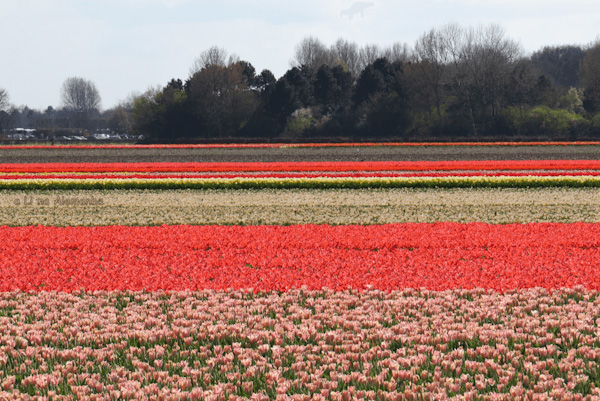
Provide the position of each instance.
(300, 279)
(439, 257)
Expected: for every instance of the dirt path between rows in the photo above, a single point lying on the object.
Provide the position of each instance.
(378, 153)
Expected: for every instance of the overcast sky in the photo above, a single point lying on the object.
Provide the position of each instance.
(126, 46)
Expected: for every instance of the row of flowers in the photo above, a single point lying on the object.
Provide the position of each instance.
(298, 145)
(275, 207)
(319, 182)
(301, 345)
(436, 256)
(122, 175)
(326, 166)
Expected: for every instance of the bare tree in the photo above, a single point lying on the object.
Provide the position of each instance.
(368, 54)
(129, 101)
(311, 53)
(491, 60)
(3, 99)
(431, 57)
(4, 108)
(397, 52)
(346, 53)
(213, 56)
(589, 70)
(560, 63)
(119, 118)
(481, 61)
(80, 95)
(589, 73)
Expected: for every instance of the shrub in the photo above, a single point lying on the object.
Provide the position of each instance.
(542, 120)
(300, 121)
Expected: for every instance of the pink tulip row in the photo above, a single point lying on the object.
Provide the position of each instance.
(301, 345)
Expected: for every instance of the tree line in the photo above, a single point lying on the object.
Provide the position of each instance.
(80, 113)
(453, 83)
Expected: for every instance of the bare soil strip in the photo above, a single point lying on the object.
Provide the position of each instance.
(367, 153)
(335, 206)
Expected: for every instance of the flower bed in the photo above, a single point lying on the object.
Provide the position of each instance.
(286, 175)
(301, 345)
(438, 256)
(445, 310)
(500, 181)
(304, 166)
(297, 206)
(122, 175)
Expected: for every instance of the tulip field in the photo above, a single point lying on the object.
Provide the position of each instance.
(300, 272)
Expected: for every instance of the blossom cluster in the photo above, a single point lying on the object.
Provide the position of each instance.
(437, 256)
(301, 345)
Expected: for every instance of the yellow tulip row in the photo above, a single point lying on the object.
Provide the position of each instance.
(306, 182)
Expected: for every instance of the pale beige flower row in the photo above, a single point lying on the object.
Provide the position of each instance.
(301, 345)
(298, 206)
